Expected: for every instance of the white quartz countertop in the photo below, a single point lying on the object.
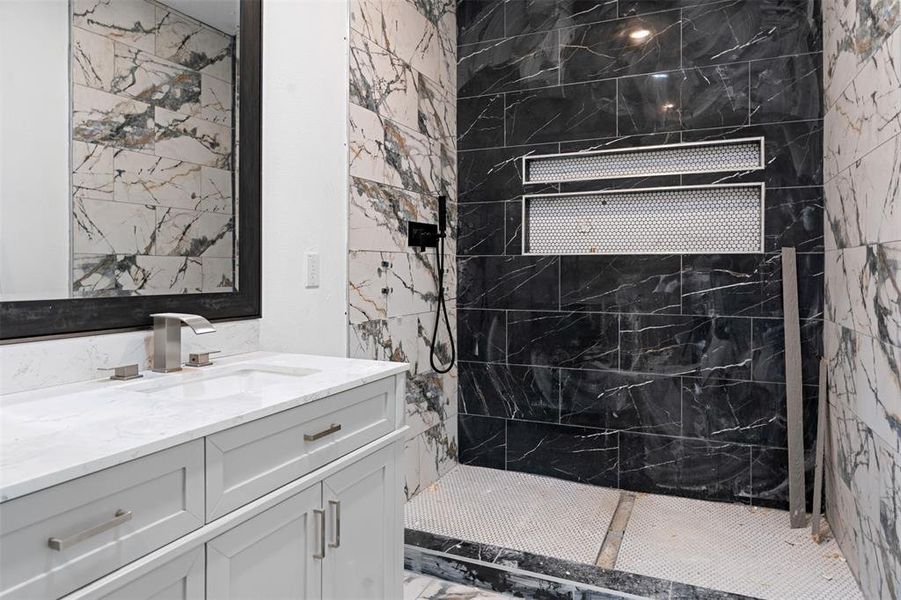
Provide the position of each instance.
(52, 435)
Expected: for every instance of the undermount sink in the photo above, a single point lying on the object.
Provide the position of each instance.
(229, 382)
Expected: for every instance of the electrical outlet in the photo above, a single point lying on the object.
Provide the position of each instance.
(312, 269)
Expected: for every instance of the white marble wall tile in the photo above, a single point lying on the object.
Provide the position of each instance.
(399, 339)
(412, 281)
(862, 201)
(33, 365)
(148, 179)
(379, 214)
(218, 274)
(437, 113)
(93, 59)
(101, 227)
(133, 22)
(412, 37)
(428, 402)
(105, 118)
(439, 451)
(411, 468)
(852, 32)
(862, 506)
(163, 275)
(215, 190)
(866, 113)
(192, 139)
(381, 82)
(412, 160)
(193, 45)
(366, 142)
(146, 77)
(193, 233)
(92, 171)
(367, 280)
(96, 275)
(216, 100)
(366, 18)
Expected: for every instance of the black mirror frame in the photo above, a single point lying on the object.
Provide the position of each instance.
(43, 318)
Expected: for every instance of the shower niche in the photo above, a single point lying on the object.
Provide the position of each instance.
(717, 218)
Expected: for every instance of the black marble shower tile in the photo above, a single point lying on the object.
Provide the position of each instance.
(561, 113)
(480, 122)
(528, 282)
(794, 217)
(577, 340)
(646, 284)
(650, 103)
(638, 7)
(683, 467)
(623, 401)
(479, 20)
(769, 350)
(510, 64)
(480, 228)
(787, 88)
(748, 285)
(715, 96)
(573, 453)
(745, 412)
(513, 231)
(737, 30)
(482, 335)
(673, 344)
(496, 174)
(528, 16)
(769, 477)
(511, 392)
(482, 441)
(608, 49)
(793, 150)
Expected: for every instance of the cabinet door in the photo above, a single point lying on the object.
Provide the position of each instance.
(364, 554)
(270, 555)
(179, 579)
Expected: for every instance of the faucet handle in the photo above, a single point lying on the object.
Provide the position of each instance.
(123, 372)
(200, 359)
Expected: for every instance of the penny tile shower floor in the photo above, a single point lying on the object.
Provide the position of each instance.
(728, 547)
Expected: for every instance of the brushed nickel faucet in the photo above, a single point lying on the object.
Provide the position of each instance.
(167, 338)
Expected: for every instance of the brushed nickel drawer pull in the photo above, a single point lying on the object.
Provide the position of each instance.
(337, 505)
(61, 544)
(312, 437)
(321, 514)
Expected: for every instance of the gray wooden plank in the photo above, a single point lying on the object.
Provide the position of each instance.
(822, 407)
(793, 390)
(614, 539)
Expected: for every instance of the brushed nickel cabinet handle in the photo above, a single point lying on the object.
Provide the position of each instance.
(61, 544)
(321, 514)
(312, 437)
(337, 506)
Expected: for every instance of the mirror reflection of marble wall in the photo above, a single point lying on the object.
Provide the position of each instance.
(153, 148)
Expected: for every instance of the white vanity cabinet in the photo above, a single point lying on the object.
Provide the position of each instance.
(304, 503)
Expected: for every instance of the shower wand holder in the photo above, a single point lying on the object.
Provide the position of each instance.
(422, 235)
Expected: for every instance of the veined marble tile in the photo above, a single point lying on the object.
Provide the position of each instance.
(866, 113)
(429, 402)
(216, 100)
(92, 171)
(862, 203)
(864, 377)
(411, 159)
(412, 282)
(863, 487)
(108, 119)
(853, 30)
(366, 18)
(164, 275)
(133, 22)
(149, 179)
(411, 468)
(93, 59)
(367, 281)
(156, 81)
(381, 82)
(192, 139)
(863, 290)
(366, 145)
(216, 190)
(379, 214)
(101, 227)
(399, 339)
(437, 112)
(218, 274)
(192, 233)
(193, 45)
(96, 275)
(410, 36)
(439, 451)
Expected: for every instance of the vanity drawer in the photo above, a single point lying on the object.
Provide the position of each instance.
(61, 538)
(251, 460)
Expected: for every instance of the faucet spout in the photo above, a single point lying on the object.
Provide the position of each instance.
(167, 338)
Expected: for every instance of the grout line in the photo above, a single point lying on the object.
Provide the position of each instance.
(609, 550)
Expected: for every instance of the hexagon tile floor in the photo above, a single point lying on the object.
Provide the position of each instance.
(727, 547)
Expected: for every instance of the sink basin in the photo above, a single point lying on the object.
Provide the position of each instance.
(230, 382)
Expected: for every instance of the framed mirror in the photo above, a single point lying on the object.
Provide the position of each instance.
(130, 163)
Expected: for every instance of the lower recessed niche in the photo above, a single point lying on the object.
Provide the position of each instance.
(720, 219)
